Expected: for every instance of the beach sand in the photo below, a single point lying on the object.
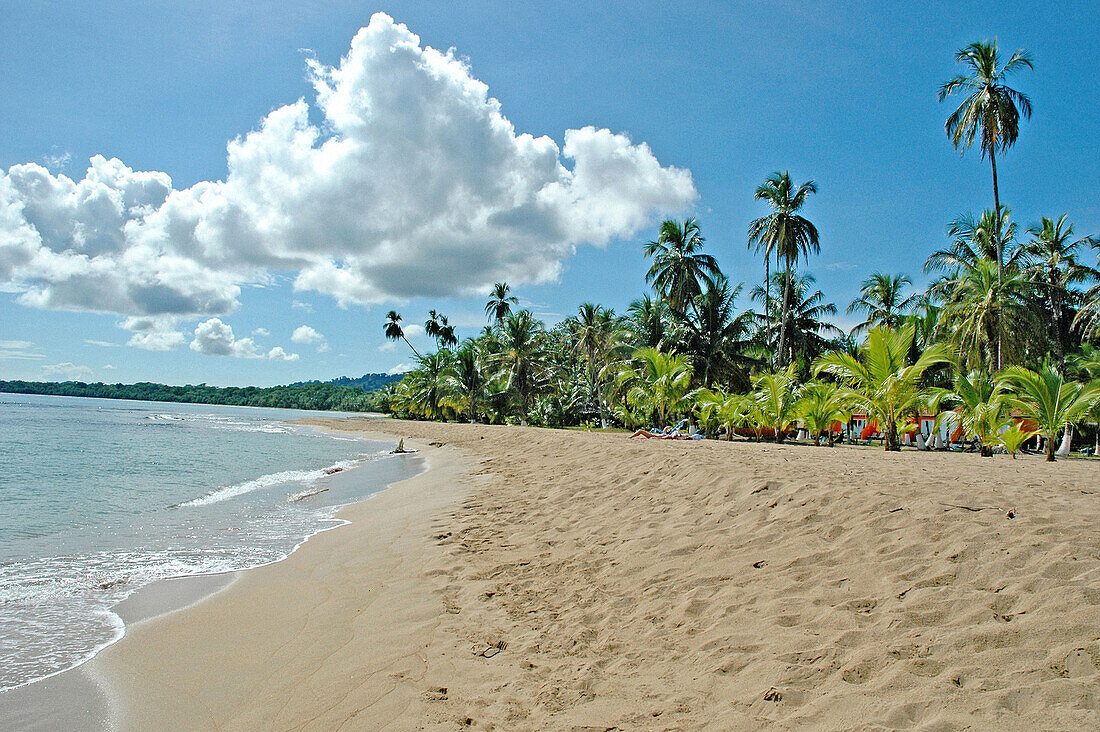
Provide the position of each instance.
(543, 579)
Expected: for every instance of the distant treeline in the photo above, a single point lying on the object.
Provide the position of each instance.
(366, 382)
(322, 397)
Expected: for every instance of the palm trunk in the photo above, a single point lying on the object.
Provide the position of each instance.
(890, 441)
(411, 346)
(768, 295)
(783, 318)
(1056, 322)
(1000, 246)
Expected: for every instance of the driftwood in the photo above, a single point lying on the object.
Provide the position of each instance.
(975, 509)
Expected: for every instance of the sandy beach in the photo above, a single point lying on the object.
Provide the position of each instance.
(541, 579)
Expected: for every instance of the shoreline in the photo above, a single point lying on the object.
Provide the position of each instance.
(76, 696)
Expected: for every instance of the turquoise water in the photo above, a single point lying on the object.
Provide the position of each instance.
(100, 497)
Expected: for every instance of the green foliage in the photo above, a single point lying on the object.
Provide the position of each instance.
(320, 397)
(1049, 399)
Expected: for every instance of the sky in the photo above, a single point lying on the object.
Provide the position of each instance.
(237, 193)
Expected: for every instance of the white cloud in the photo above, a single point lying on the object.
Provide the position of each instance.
(413, 330)
(305, 334)
(299, 305)
(109, 367)
(154, 333)
(19, 351)
(387, 347)
(215, 338)
(401, 368)
(412, 183)
(101, 344)
(278, 354)
(66, 371)
(261, 332)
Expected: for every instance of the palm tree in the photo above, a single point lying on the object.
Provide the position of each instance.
(991, 110)
(466, 383)
(722, 410)
(500, 302)
(428, 385)
(395, 332)
(679, 269)
(882, 380)
(657, 384)
(1049, 399)
(716, 338)
(1053, 265)
(776, 393)
(977, 404)
(522, 356)
(882, 298)
(648, 321)
(808, 330)
(597, 337)
(784, 232)
(980, 302)
(437, 327)
(820, 405)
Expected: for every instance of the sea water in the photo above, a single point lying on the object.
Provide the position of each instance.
(100, 497)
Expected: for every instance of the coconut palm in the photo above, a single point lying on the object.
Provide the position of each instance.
(466, 383)
(721, 410)
(821, 405)
(1054, 266)
(783, 232)
(522, 357)
(428, 385)
(440, 329)
(597, 338)
(882, 298)
(649, 321)
(394, 331)
(974, 402)
(776, 393)
(1014, 437)
(500, 302)
(808, 331)
(716, 338)
(656, 384)
(883, 380)
(680, 269)
(979, 303)
(991, 110)
(1045, 396)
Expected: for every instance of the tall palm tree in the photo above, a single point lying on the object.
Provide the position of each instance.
(808, 330)
(715, 337)
(465, 382)
(979, 303)
(882, 379)
(680, 269)
(428, 385)
(522, 356)
(1054, 266)
(500, 302)
(648, 321)
(597, 337)
(440, 329)
(881, 297)
(394, 331)
(991, 110)
(784, 232)
(1049, 399)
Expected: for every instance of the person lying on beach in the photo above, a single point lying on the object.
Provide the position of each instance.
(668, 433)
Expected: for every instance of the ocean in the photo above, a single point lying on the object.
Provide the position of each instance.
(101, 497)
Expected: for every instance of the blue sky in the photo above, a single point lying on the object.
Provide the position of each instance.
(729, 92)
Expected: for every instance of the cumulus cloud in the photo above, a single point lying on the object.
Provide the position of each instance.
(154, 333)
(305, 334)
(261, 332)
(412, 183)
(401, 368)
(66, 371)
(215, 338)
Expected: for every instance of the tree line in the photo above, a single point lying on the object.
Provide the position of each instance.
(1000, 346)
